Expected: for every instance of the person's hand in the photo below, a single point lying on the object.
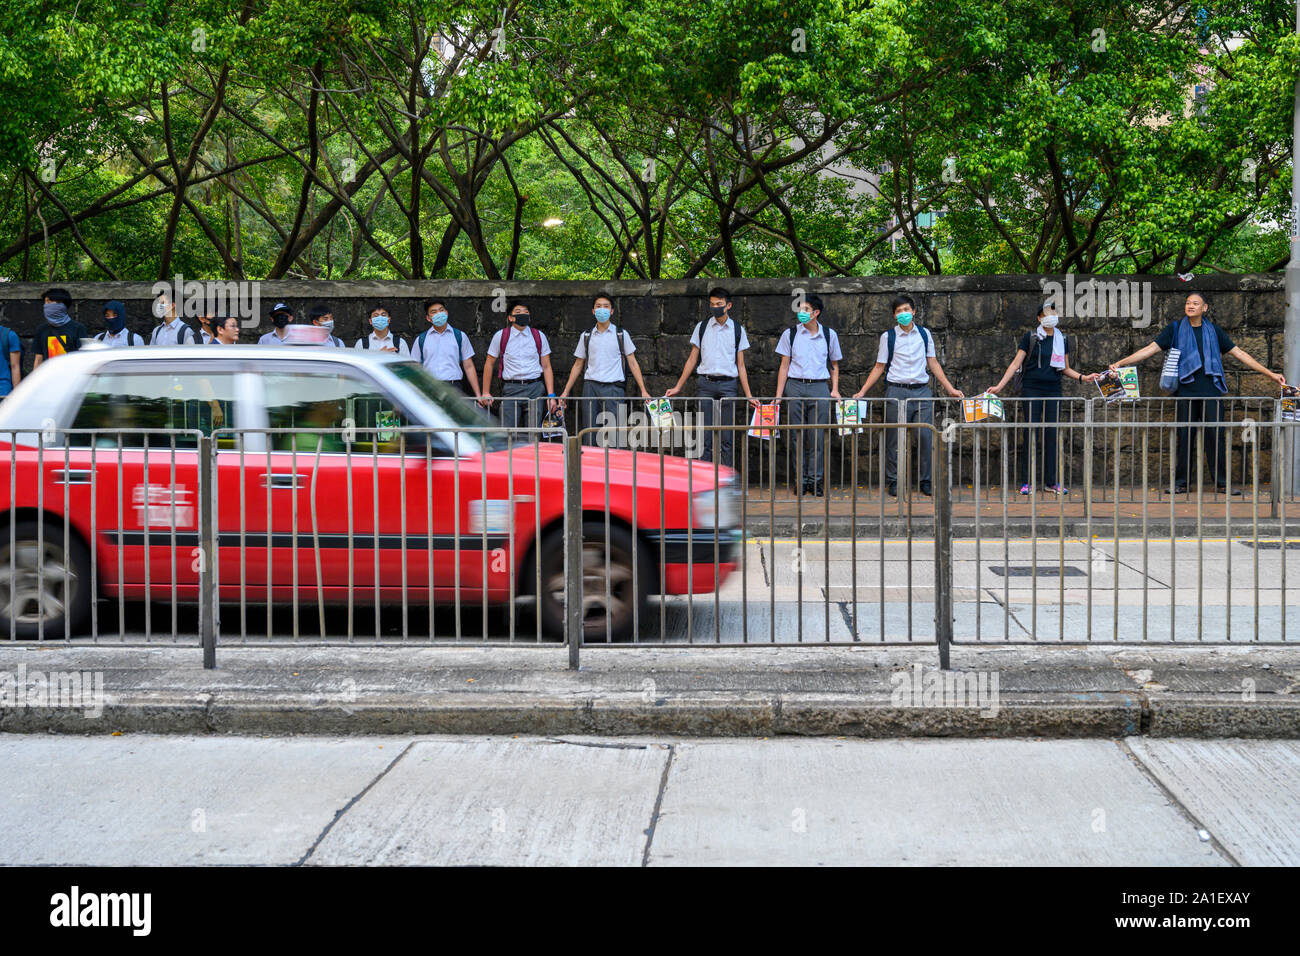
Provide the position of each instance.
(956, 393)
(835, 394)
(1090, 377)
(672, 391)
(218, 416)
(645, 396)
(754, 403)
(1277, 377)
(993, 389)
(860, 392)
(485, 400)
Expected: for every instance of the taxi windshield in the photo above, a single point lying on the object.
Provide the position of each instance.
(464, 411)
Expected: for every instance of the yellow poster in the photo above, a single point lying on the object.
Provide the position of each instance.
(54, 346)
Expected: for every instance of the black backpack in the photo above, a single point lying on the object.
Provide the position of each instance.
(794, 330)
(618, 337)
(892, 337)
(699, 334)
(180, 334)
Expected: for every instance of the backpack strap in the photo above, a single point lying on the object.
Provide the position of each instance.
(419, 343)
(827, 330)
(893, 337)
(501, 366)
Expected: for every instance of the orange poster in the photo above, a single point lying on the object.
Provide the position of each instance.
(54, 346)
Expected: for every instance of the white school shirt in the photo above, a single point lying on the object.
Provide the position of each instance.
(272, 338)
(440, 354)
(521, 359)
(389, 341)
(604, 365)
(718, 350)
(119, 341)
(809, 353)
(910, 353)
(167, 333)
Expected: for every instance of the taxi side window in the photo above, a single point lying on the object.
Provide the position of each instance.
(126, 402)
(332, 410)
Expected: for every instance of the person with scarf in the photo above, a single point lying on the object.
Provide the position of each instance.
(60, 333)
(1199, 380)
(1044, 354)
(116, 335)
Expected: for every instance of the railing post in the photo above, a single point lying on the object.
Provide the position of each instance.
(1087, 464)
(943, 624)
(207, 552)
(573, 548)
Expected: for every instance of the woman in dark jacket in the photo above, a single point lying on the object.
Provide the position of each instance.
(1045, 354)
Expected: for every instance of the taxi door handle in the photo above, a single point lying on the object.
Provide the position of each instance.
(70, 476)
(283, 479)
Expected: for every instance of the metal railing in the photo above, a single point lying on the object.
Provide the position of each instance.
(488, 536)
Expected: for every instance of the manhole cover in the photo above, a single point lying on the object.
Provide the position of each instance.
(1042, 571)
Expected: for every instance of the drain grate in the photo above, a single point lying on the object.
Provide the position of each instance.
(1042, 571)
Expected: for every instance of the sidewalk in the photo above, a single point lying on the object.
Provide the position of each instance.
(1249, 691)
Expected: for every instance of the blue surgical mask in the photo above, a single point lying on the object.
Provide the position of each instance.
(904, 318)
(804, 317)
(602, 315)
(439, 319)
(380, 322)
(327, 324)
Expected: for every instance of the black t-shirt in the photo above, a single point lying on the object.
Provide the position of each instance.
(1201, 384)
(1039, 373)
(58, 339)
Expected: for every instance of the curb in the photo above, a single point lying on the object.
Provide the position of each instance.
(1066, 715)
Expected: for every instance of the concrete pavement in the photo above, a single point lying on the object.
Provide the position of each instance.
(144, 800)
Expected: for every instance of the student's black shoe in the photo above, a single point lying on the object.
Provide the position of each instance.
(1180, 487)
(818, 490)
(893, 492)
(925, 489)
(1222, 489)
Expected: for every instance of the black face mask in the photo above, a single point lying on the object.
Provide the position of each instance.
(521, 318)
(717, 311)
(280, 319)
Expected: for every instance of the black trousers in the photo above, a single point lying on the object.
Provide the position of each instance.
(1043, 411)
(1195, 411)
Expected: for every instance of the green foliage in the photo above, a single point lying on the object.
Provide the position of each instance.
(368, 139)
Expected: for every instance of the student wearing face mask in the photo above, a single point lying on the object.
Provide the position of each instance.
(445, 350)
(60, 333)
(381, 339)
(281, 317)
(322, 316)
(116, 335)
(605, 354)
(718, 347)
(907, 358)
(525, 372)
(1044, 354)
(809, 377)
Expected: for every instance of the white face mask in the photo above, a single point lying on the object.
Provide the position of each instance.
(1049, 321)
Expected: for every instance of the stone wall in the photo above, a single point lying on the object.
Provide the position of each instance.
(976, 319)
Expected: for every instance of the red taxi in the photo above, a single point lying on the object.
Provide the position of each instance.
(337, 473)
